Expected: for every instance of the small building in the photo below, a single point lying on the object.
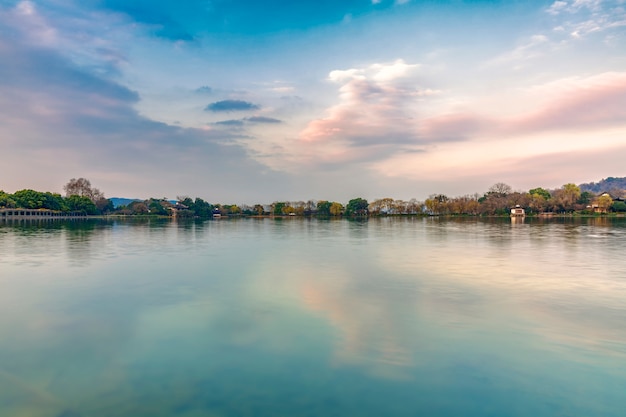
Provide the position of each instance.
(178, 209)
(603, 203)
(518, 211)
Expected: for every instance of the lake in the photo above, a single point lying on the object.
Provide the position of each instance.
(296, 317)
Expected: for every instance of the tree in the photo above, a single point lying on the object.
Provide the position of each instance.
(202, 208)
(310, 207)
(32, 199)
(566, 197)
(604, 202)
(54, 201)
(538, 202)
(357, 207)
(105, 205)
(414, 206)
(156, 207)
(323, 208)
(540, 192)
(6, 200)
(336, 209)
(278, 208)
(619, 206)
(585, 197)
(82, 187)
(138, 207)
(82, 204)
(382, 205)
(501, 189)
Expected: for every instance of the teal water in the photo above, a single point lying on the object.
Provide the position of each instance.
(292, 317)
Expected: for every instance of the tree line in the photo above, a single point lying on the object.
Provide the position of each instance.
(500, 198)
(81, 197)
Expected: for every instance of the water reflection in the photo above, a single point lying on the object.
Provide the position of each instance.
(374, 322)
(305, 317)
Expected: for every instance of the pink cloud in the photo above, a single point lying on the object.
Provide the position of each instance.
(597, 101)
(376, 105)
(453, 126)
(569, 104)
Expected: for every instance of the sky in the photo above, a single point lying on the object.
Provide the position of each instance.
(255, 101)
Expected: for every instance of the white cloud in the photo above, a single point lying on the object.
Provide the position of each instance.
(25, 18)
(585, 17)
(376, 104)
(557, 7)
(532, 48)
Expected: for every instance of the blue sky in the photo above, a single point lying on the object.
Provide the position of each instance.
(257, 101)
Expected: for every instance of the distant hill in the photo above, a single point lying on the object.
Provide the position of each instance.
(605, 184)
(117, 201)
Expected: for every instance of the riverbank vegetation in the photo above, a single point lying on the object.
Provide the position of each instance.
(81, 197)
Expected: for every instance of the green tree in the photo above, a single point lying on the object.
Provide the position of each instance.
(323, 208)
(619, 206)
(156, 208)
(357, 207)
(540, 192)
(6, 200)
(30, 199)
(54, 201)
(203, 208)
(82, 204)
(586, 197)
(278, 208)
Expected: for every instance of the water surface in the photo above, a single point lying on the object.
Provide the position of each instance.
(292, 317)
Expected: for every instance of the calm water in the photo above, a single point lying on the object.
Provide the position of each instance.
(390, 317)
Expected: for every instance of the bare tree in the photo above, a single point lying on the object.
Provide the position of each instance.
(500, 189)
(82, 187)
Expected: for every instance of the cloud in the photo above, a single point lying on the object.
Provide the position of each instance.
(248, 120)
(453, 127)
(231, 122)
(575, 6)
(205, 89)
(231, 105)
(377, 115)
(528, 50)
(577, 103)
(262, 119)
(70, 121)
(557, 7)
(585, 17)
(376, 105)
(581, 116)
